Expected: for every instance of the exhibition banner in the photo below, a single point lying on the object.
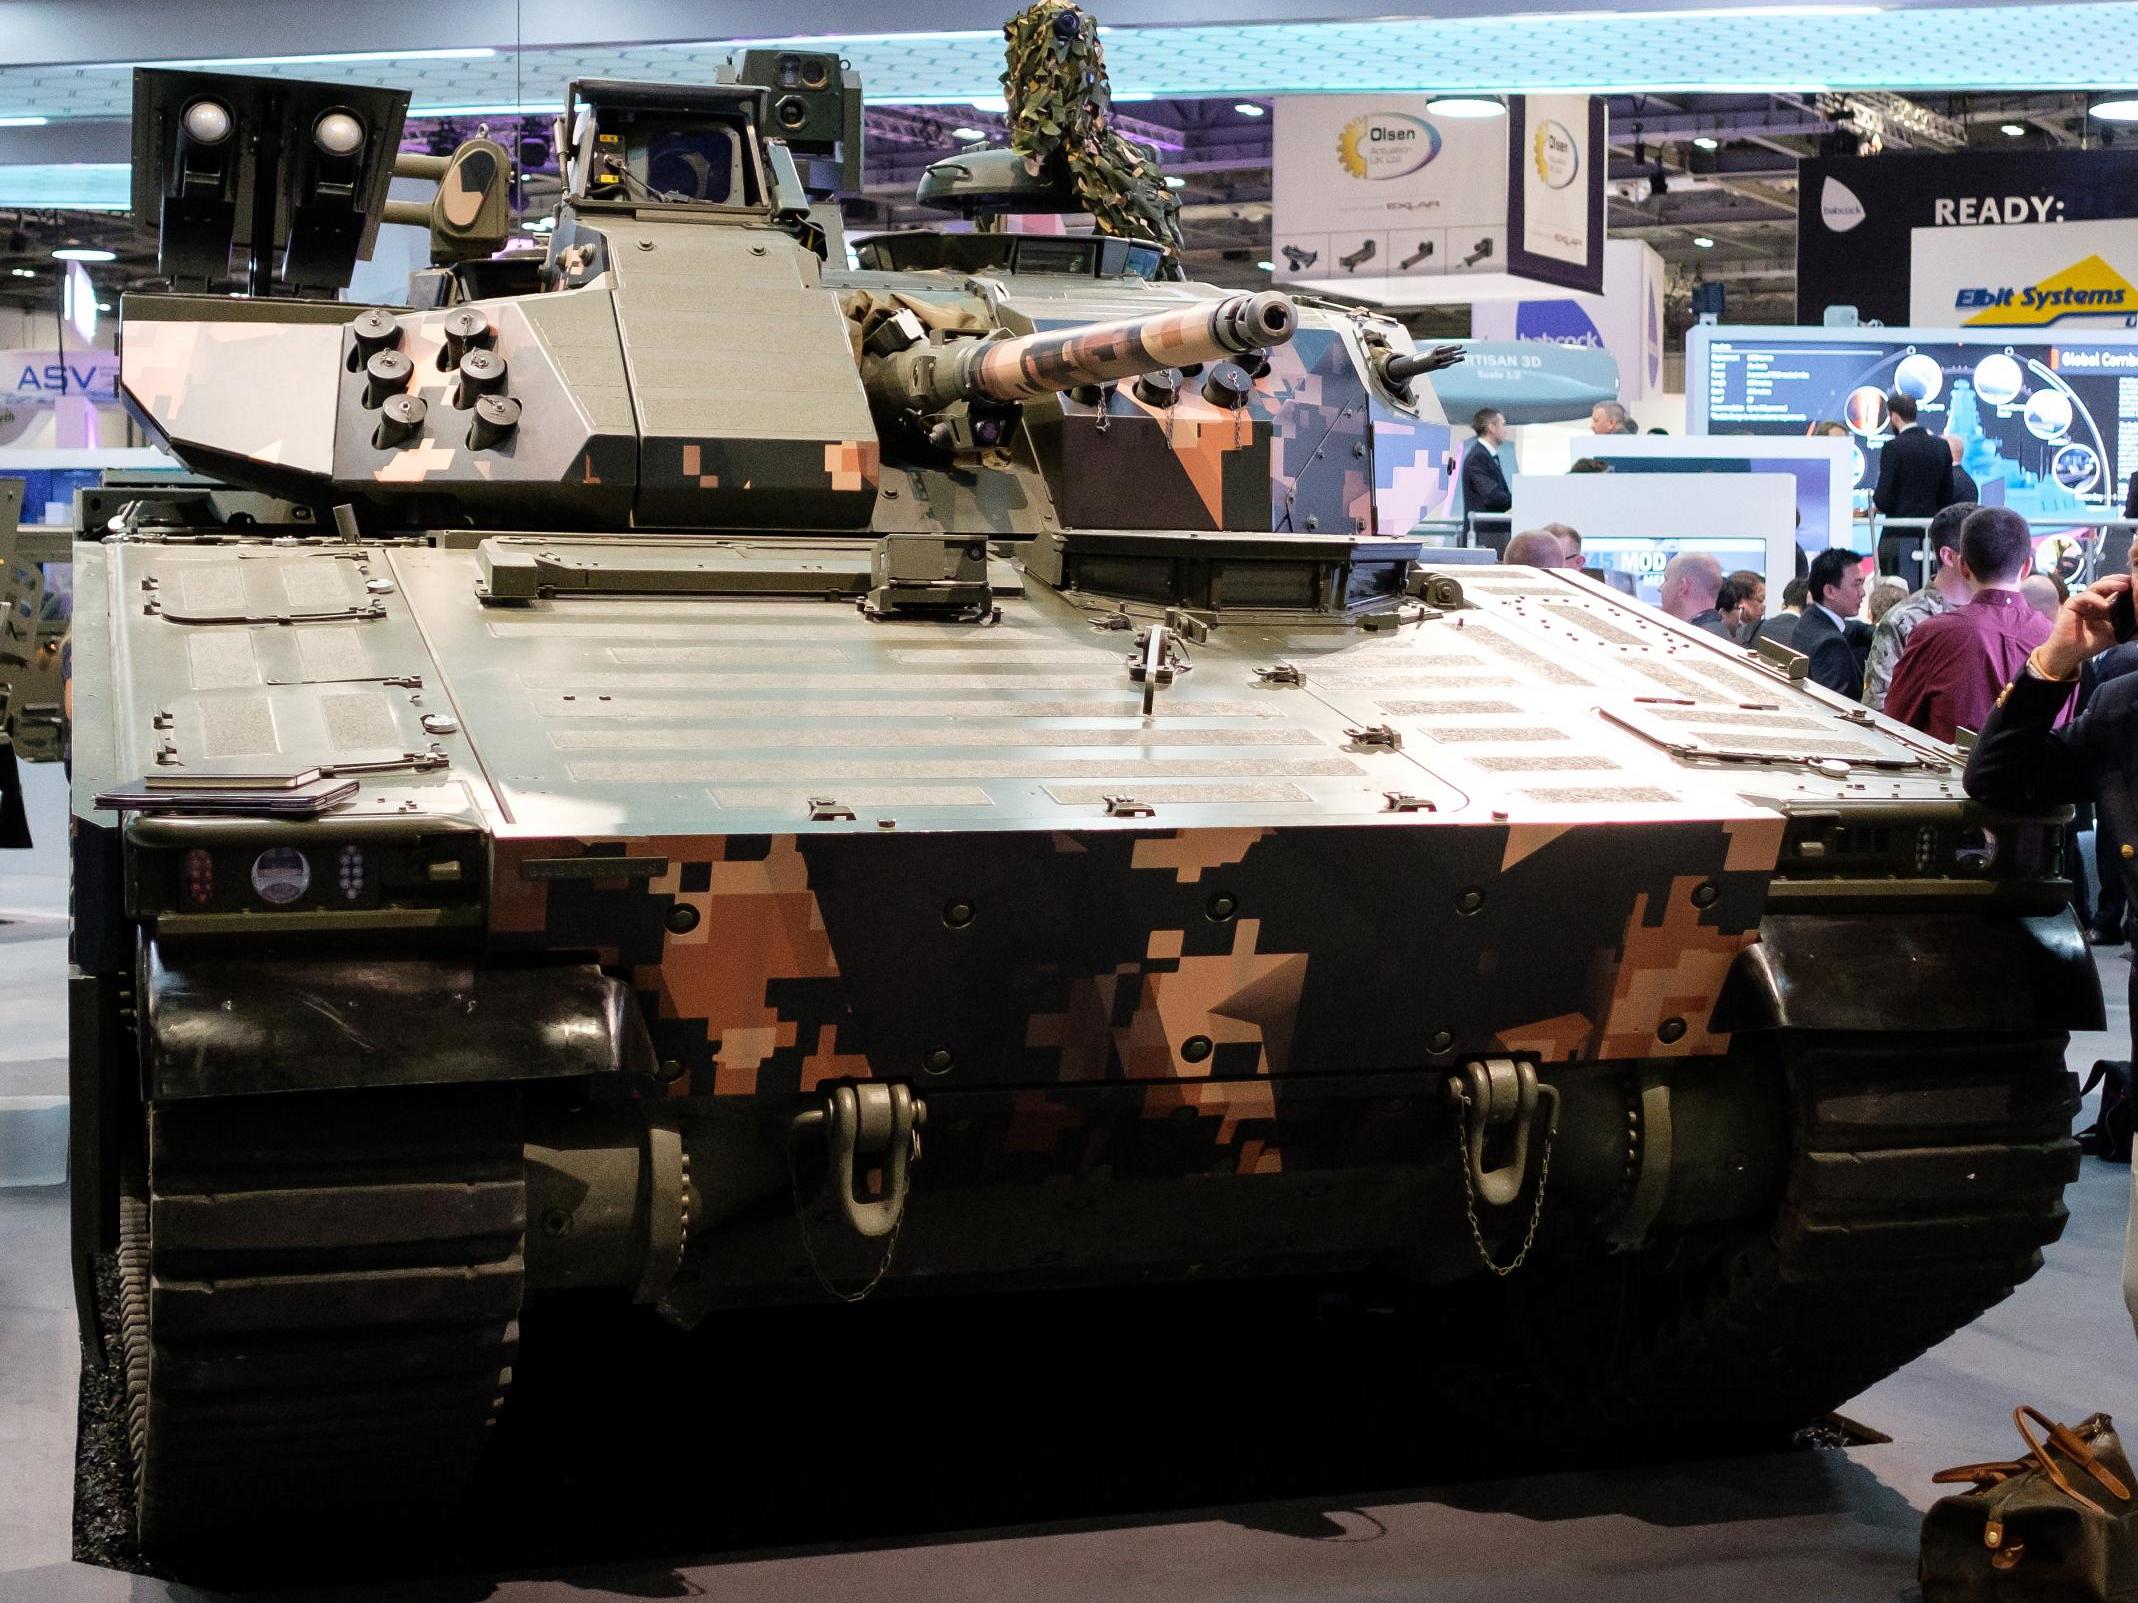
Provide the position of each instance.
(1626, 320)
(34, 382)
(1555, 218)
(1857, 217)
(1372, 194)
(2025, 275)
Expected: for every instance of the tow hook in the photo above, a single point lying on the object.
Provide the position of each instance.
(867, 1122)
(1494, 1101)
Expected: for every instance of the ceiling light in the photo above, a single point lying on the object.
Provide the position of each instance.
(995, 103)
(1120, 95)
(968, 133)
(1458, 108)
(1267, 267)
(1247, 108)
(23, 272)
(532, 108)
(2119, 108)
(1702, 142)
(465, 53)
(1175, 183)
(1703, 242)
(2013, 130)
(103, 306)
(23, 122)
(83, 253)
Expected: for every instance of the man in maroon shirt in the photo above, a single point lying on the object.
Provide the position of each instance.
(1954, 665)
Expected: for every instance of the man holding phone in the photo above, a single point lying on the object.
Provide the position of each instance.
(2022, 762)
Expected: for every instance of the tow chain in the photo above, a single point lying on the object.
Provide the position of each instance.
(801, 1220)
(1469, 1193)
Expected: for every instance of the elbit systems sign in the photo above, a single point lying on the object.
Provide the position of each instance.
(1860, 218)
(2040, 275)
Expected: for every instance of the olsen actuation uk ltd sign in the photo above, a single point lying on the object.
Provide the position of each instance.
(1376, 195)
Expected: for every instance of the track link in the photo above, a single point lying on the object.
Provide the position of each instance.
(1927, 1173)
(319, 1302)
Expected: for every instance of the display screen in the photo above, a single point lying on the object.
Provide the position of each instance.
(1813, 494)
(1635, 564)
(2046, 426)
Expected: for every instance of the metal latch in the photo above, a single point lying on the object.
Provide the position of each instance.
(1383, 735)
(1158, 658)
(829, 810)
(1128, 807)
(1495, 1102)
(869, 1121)
(1281, 673)
(1402, 801)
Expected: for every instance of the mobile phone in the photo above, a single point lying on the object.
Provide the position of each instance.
(2123, 616)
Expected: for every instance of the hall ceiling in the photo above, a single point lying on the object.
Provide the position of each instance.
(1767, 83)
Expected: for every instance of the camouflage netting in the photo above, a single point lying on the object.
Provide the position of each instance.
(1061, 119)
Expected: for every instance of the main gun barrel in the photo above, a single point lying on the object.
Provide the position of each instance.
(931, 377)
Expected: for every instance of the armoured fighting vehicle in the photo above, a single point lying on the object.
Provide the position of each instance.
(755, 780)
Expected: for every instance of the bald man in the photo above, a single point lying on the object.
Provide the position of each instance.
(1534, 548)
(1690, 584)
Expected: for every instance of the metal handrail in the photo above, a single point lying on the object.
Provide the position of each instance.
(1876, 526)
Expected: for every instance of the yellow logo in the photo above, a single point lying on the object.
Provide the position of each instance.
(2088, 288)
(1386, 144)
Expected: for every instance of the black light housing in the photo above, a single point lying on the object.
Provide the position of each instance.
(270, 166)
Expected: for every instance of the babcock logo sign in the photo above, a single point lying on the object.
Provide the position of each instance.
(1386, 144)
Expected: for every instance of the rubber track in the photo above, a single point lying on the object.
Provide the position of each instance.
(1927, 1174)
(319, 1301)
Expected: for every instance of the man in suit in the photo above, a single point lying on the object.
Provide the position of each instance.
(1484, 486)
(1829, 632)
(1914, 481)
(1781, 626)
(2024, 763)
(1691, 582)
(1963, 486)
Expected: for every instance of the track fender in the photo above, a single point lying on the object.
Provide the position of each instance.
(1913, 971)
(219, 1026)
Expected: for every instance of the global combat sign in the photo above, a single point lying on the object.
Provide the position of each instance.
(1860, 219)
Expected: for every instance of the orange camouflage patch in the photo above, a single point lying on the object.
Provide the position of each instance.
(1672, 969)
(1189, 852)
(852, 465)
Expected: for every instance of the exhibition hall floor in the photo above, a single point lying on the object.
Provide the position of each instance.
(1157, 1512)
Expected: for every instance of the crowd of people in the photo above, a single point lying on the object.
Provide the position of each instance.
(1936, 658)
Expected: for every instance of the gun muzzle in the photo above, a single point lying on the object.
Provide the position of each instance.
(1400, 370)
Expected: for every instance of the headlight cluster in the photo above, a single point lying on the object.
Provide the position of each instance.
(283, 878)
(1824, 846)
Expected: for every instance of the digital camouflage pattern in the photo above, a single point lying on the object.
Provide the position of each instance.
(1191, 956)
